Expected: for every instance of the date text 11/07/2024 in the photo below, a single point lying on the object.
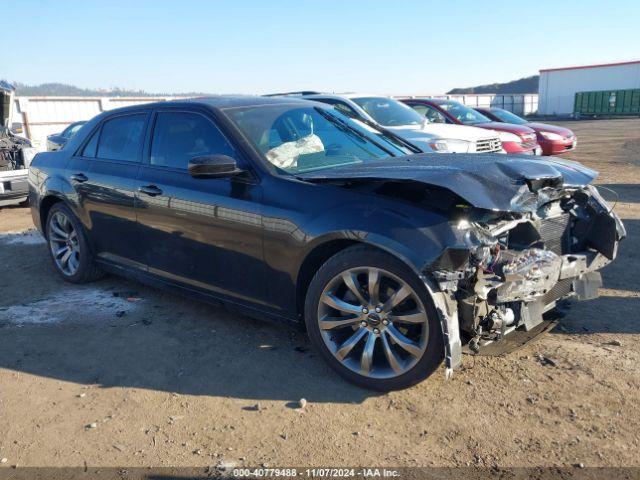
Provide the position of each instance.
(316, 472)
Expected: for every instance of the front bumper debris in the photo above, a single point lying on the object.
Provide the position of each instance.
(520, 267)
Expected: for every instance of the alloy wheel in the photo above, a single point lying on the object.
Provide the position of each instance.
(373, 322)
(64, 244)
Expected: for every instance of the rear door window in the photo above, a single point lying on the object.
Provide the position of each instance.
(121, 138)
(180, 136)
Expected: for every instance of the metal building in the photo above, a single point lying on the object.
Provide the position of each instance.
(558, 86)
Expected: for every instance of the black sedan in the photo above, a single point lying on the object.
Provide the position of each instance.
(56, 141)
(285, 208)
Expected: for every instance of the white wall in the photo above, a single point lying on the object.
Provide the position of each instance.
(47, 115)
(558, 87)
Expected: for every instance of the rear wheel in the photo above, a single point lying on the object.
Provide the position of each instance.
(372, 319)
(68, 246)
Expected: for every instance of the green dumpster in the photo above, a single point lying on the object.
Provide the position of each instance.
(608, 102)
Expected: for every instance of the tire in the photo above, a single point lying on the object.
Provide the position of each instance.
(404, 352)
(81, 258)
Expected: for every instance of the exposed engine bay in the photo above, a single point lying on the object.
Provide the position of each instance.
(520, 265)
(15, 152)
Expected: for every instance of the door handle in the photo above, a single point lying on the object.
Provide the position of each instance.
(150, 190)
(79, 177)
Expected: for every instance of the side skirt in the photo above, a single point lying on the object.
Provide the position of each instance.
(205, 297)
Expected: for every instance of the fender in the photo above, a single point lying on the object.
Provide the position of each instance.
(389, 245)
(414, 235)
(55, 186)
(47, 165)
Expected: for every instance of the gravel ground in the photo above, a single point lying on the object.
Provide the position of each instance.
(115, 373)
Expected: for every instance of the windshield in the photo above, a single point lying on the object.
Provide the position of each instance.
(71, 130)
(389, 112)
(508, 117)
(464, 114)
(303, 139)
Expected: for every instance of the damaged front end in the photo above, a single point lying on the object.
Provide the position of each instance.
(511, 268)
(519, 235)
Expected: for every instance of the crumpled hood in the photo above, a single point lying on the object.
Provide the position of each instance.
(442, 130)
(514, 183)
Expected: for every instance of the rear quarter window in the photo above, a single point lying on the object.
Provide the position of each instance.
(91, 146)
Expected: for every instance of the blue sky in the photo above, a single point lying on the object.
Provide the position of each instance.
(251, 46)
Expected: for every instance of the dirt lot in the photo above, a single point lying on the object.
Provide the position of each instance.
(173, 382)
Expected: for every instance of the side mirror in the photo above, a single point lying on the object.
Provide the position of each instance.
(213, 166)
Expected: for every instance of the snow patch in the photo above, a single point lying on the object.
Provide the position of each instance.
(29, 237)
(81, 305)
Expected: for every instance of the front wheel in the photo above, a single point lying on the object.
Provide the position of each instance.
(373, 321)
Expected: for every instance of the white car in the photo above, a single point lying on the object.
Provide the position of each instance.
(16, 154)
(405, 122)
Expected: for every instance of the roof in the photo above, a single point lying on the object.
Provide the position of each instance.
(230, 101)
(220, 102)
(345, 95)
(600, 65)
(439, 101)
(300, 93)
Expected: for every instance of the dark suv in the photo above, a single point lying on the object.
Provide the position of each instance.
(286, 208)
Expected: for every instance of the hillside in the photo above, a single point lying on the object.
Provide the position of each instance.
(64, 90)
(522, 85)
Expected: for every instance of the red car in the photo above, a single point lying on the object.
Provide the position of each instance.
(515, 138)
(554, 140)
